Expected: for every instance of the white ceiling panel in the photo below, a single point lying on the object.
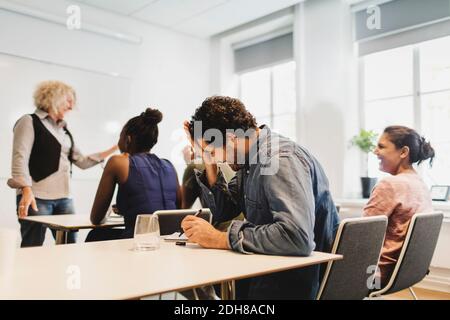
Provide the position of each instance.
(171, 12)
(230, 15)
(124, 7)
(201, 18)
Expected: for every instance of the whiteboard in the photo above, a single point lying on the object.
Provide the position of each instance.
(102, 106)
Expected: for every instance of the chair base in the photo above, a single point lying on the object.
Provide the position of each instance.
(413, 293)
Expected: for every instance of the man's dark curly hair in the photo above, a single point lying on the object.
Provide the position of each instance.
(222, 113)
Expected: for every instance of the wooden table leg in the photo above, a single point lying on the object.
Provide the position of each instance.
(228, 290)
(61, 237)
(232, 290)
(224, 291)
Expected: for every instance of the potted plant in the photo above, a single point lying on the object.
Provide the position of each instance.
(366, 142)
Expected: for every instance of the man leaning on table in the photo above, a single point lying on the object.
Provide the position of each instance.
(281, 188)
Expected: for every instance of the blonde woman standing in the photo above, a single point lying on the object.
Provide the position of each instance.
(43, 154)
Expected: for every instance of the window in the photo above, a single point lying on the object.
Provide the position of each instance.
(411, 86)
(269, 94)
(435, 105)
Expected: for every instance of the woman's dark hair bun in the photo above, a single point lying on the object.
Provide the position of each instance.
(152, 116)
(426, 150)
(143, 129)
(419, 149)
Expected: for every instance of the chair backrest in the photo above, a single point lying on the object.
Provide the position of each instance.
(170, 220)
(360, 241)
(416, 254)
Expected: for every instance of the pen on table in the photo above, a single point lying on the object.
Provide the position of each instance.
(195, 215)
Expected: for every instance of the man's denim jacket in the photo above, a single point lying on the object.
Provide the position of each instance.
(284, 195)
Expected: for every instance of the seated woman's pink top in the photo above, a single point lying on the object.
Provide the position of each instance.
(398, 197)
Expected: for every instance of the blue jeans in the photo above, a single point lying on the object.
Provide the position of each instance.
(33, 234)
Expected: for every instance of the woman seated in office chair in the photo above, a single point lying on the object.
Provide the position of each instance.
(402, 194)
(146, 182)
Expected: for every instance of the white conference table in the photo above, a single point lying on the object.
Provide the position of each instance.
(111, 270)
(64, 223)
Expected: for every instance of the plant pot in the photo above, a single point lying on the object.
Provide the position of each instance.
(367, 185)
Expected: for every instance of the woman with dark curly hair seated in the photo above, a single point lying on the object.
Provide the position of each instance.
(146, 182)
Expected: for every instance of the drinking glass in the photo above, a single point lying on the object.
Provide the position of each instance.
(146, 232)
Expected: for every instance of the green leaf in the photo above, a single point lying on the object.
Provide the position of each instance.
(365, 141)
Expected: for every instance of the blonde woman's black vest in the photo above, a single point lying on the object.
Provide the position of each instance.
(46, 151)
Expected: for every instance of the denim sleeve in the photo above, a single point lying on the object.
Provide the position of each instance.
(221, 198)
(290, 198)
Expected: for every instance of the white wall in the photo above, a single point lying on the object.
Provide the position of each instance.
(327, 106)
(167, 70)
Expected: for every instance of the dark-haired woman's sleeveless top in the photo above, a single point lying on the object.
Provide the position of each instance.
(151, 186)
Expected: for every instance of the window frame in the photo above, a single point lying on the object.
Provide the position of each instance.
(272, 90)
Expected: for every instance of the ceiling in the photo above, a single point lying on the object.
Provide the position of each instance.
(201, 18)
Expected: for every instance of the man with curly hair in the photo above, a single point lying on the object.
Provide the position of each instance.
(279, 186)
